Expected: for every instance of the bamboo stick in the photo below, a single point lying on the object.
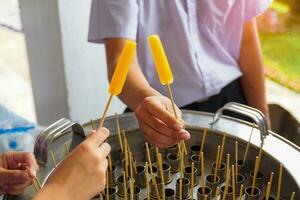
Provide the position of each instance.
(109, 162)
(233, 182)
(53, 159)
(192, 181)
(105, 111)
(279, 182)
(180, 189)
(131, 188)
(269, 185)
(159, 161)
(153, 177)
(203, 140)
(100, 195)
(163, 191)
(236, 159)
(66, 149)
(241, 192)
(107, 188)
(216, 167)
(125, 155)
(292, 196)
(202, 172)
(205, 197)
(268, 190)
(254, 175)
(222, 150)
(248, 144)
(227, 176)
(147, 182)
(175, 113)
(124, 185)
(217, 192)
(36, 187)
(119, 132)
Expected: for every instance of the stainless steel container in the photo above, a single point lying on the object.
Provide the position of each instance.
(276, 149)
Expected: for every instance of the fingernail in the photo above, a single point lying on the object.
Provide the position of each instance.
(178, 126)
(33, 172)
(185, 135)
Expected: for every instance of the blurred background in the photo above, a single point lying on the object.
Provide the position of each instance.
(48, 70)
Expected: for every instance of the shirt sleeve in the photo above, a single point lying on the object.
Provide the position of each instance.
(113, 19)
(254, 8)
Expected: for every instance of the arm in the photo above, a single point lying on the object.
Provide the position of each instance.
(251, 64)
(153, 111)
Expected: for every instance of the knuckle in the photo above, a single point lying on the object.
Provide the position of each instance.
(85, 148)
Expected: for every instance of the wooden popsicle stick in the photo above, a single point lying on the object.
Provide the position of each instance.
(269, 185)
(100, 195)
(175, 113)
(156, 154)
(271, 178)
(203, 140)
(131, 188)
(36, 187)
(233, 182)
(292, 196)
(236, 159)
(172, 100)
(227, 176)
(38, 182)
(254, 175)
(105, 111)
(222, 150)
(202, 172)
(268, 190)
(181, 175)
(124, 185)
(241, 192)
(216, 167)
(226, 184)
(109, 162)
(66, 149)
(163, 191)
(159, 160)
(180, 189)
(119, 132)
(53, 159)
(107, 188)
(147, 182)
(130, 167)
(279, 182)
(151, 171)
(248, 144)
(217, 193)
(126, 156)
(192, 181)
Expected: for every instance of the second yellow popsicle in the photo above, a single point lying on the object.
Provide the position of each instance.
(160, 60)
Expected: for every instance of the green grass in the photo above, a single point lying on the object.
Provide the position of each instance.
(282, 55)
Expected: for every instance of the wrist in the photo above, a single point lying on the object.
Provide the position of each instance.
(53, 191)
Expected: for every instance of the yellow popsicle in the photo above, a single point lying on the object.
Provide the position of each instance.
(160, 60)
(121, 71)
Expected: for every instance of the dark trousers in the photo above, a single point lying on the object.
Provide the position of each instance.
(233, 92)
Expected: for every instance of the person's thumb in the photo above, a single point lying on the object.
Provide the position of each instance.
(13, 176)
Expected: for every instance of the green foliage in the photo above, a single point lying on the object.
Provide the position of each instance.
(282, 52)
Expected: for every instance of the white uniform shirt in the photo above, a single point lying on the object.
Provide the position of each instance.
(202, 38)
